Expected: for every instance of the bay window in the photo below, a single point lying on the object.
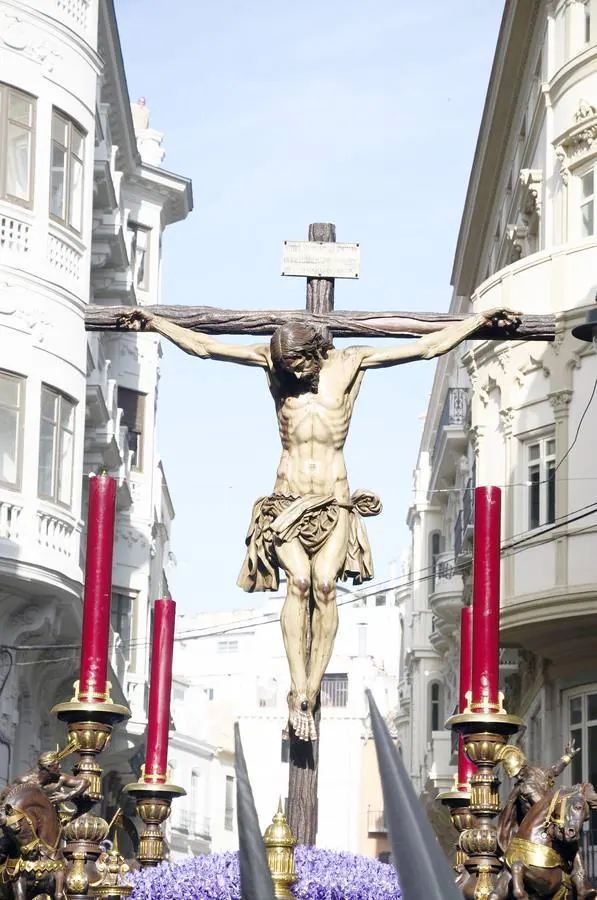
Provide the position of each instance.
(17, 120)
(66, 176)
(56, 441)
(12, 411)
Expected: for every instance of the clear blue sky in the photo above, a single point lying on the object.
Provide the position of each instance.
(361, 114)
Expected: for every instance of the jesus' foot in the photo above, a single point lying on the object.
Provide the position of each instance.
(300, 717)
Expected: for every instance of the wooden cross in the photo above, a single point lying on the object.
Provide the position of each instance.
(321, 264)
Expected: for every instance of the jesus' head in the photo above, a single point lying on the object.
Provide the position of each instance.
(297, 351)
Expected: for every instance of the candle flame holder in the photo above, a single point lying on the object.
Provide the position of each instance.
(154, 805)
(279, 846)
(485, 734)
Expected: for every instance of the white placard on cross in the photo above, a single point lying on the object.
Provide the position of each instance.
(318, 259)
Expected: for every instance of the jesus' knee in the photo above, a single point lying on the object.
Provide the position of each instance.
(299, 586)
(324, 590)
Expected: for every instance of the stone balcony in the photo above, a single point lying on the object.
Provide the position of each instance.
(445, 597)
(40, 540)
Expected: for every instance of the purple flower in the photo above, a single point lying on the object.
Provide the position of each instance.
(322, 875)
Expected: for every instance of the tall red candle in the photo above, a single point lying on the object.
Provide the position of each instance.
(465, 767)
(486, 598)
(98, 588)
(156, 760)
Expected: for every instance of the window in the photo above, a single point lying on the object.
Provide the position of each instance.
(55, 478)
(17, 117)
(140, 254)
(12, 409)
(285, 750)
(66, 175)
(435, 546)
(380, 599)
(362, 638)
(120, 618)
(229, 808)
(435, 706)
(582, 726)
(541, 466)
(227, 646)
(587, 204)
(132, 404)
(195, 791)
(334, 690)
(587, 22)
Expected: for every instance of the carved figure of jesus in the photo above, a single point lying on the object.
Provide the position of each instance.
(311, 525)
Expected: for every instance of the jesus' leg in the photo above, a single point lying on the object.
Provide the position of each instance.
(295, 563)
(326, 566)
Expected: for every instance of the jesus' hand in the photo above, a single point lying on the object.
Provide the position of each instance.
(136, 320)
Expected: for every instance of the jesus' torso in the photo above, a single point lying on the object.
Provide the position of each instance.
(313, 429)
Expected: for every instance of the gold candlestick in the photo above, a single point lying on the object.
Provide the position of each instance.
(279, 843)
(485, 733)
(90, 725)
(458, 801)
(154, 803)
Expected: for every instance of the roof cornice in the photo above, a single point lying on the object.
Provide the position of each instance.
(115, 89)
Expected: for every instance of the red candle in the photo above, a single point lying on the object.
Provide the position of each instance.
(98, 589)
(486, 598)
(465, 766)
(160, 686)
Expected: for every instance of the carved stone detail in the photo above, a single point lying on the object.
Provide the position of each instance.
(560, 400)
(20, 36)
(578, 141)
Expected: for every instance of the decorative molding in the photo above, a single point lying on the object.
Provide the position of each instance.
(560, 400)
(507, 418)
(22, 37)
(577, 143)
(131, 537)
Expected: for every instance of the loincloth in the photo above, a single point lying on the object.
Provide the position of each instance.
(310, 520)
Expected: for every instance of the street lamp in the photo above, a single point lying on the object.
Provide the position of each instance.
(588, 330)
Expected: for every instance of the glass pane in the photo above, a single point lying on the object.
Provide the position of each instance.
(59, 130)
(575, 710)
(9, 423)
(20, 109)
(592, 707)
(587, 211)
(9, 391)
(551, 491)
(76, 194)
(77, 143)
(57, 182)
(587, 184)
(18, 158)
(534, 452)
(45, 481)
(576, 764)
(48, 405)
(67, 410)
(534, 499)
(550, 448)
(65, 470)
(591, 763)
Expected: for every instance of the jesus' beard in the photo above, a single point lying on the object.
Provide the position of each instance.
(294, 384)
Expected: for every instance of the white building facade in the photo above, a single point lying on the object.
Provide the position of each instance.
(236, 669)
(517, 415)
(83, 205)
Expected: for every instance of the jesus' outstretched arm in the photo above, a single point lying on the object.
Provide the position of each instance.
(432, 345)
(196, 343)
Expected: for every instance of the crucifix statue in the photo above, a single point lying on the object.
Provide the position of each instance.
(311, 525)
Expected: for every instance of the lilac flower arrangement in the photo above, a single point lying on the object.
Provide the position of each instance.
(322, 875)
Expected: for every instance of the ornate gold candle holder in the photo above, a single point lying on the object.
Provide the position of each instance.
(485, 734)
(90, 725)
(458, 801)
(154, 803)
(279, 844)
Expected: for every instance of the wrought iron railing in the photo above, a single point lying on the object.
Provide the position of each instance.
(464, 518)
(454, 412)
(376, 822)
(588, 848)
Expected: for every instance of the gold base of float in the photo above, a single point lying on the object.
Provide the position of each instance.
(154, 802)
